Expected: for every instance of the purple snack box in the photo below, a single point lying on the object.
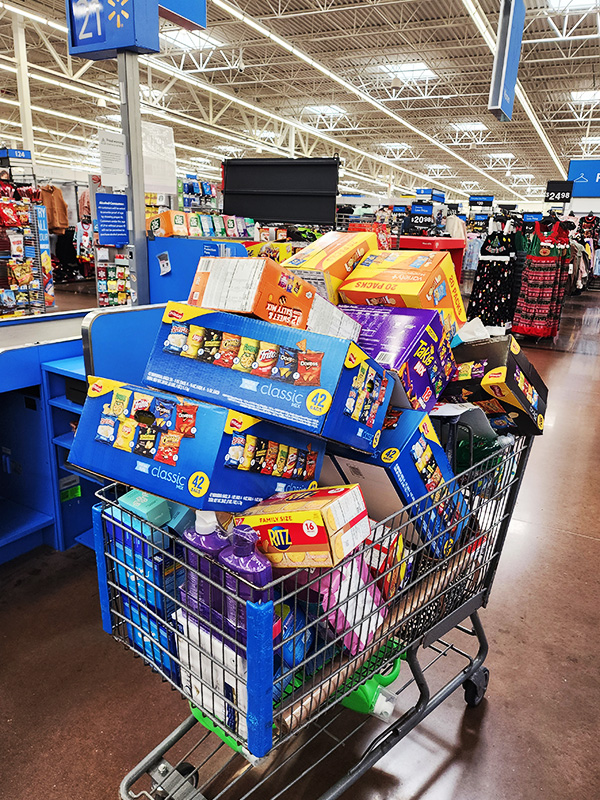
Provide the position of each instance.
(412, 345)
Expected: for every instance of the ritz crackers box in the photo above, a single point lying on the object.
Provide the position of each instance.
(497, 376)
(319, 384)
(265, 289)
(226, 461)
(314, 528)
(329, 260)
(408, 279)
(412, 345)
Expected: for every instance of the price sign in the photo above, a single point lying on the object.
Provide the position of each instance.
(421, 219)
(558, 191)
(481, 200)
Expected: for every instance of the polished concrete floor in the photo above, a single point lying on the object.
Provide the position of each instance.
(77, 711)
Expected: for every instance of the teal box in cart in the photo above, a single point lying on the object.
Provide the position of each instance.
(196, 454)
(304, 380)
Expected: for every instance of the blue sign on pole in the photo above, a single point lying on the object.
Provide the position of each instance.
(22, 154)
(585, 174)
(481, 200)
(112, 219)
(506, 61)
(534, 216)
(101, 28)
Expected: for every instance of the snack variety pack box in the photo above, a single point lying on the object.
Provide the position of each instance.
(197, 454)
(168, 223)
(497, 376)
(413, 346)
(278, 251)
(408, 279)
(412, 459)
(305, 380)
(260, 286)
(329, 260)
(314, 528)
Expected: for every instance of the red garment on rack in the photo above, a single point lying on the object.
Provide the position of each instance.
(543, 288)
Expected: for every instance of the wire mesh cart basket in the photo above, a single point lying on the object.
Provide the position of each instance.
(275, 675)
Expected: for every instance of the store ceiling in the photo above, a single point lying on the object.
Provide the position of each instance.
(399, 88)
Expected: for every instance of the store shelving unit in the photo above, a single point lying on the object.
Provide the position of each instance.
(76, 491)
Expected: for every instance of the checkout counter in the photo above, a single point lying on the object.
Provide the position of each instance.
(44, 363)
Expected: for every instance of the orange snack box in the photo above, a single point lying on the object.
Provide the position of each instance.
(329, 260)
(408, 279)
(309, 528)
(168, 223)
(261, 287)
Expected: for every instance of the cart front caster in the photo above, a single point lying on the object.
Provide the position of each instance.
(175, 783)
(476, 686)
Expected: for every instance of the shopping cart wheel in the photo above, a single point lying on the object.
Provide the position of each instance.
(476, 686)
(174, 783)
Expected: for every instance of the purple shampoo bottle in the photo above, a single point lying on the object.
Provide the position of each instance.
(209, 537)
(243, 559)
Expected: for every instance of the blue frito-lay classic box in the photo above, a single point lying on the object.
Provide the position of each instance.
(316, 383)
(194, 453)
(413, 460)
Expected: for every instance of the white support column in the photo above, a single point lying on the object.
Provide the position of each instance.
(292, 139)
(18, 25)
(129, 89)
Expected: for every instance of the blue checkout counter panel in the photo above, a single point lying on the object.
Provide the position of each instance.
(43, 381)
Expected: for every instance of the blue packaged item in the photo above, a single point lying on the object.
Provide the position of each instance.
(140, 559)
(294, 648)
(154, 640)
(181, 518)
(321, 384)
(223, 465)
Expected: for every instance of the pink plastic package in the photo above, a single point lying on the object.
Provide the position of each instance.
(365, 603)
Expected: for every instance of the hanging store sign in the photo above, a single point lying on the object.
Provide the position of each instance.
(421, 213)
(585, 174)
(533, 216)
(101, 28)
(506, 61)
(558, 191)
(481, 200)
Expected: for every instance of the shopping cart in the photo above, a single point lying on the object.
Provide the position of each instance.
(268, 671)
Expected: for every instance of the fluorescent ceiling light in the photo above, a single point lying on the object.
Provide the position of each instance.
(112, 117)
(189, 40)
(468, 126)
(415, 71)
(525, 175)
(438, 166)
(571, 5)
(258, 134)
(586, 97)
(590, 140)
(397, 146)
(326, 111)
(507, 156)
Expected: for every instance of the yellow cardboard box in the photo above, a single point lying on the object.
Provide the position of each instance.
(168, 223)
(408, 279)
(330, 259)
(309, 528)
